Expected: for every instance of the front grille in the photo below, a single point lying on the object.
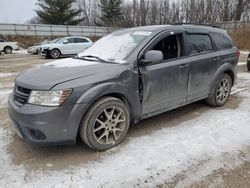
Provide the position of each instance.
(44, 51)
(21, 95)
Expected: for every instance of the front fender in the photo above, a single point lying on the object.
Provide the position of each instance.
(113, 88)
(224, 68)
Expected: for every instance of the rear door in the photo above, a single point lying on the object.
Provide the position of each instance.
(81, 44)
(203, 59)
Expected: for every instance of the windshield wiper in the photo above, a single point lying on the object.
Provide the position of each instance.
(91, 58)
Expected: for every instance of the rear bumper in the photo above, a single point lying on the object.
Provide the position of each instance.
(46, 125)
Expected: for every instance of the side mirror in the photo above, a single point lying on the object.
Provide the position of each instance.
(65, 42)
(151, 57)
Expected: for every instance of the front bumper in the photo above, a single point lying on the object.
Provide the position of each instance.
(32, 50)
(44, 51)
(46, 125)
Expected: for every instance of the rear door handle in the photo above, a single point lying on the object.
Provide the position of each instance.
(183, 66)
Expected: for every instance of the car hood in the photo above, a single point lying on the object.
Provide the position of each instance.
(51, 74)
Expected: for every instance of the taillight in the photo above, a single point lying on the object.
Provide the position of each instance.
(238, 53)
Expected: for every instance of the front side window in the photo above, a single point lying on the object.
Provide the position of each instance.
(221, 41)
(71, 40)
(170, 47)
(198, 43)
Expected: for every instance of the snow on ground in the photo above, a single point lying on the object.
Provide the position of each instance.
(4, 75)
(4, 96)
(150, 159)
(244, 52)
(21, 51)
(242, 63)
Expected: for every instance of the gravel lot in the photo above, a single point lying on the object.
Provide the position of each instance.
(193, 146)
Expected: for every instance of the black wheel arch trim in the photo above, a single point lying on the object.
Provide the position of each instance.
(8, 47)
(112, 89)
(225, 68)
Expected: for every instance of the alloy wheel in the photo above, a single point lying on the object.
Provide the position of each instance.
(223, 90)
(55, 53)
(109, 125)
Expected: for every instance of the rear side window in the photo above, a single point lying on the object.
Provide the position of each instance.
(221, 42)
(199, 43)
(80, 40)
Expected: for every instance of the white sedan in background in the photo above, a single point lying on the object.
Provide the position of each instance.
(8, 47)
(66, 46)
(35, 49)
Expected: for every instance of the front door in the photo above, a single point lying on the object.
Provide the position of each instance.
(165, 83)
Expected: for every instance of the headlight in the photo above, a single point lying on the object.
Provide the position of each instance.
(49, 98)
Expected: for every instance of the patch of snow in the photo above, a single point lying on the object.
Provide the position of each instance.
(244, 75)
(244, 52)
(49, 165)
(69, 62)
(4, 94)
(3, 75)
(21, 51)
(237, 90)
(7, 167)
(242, 63)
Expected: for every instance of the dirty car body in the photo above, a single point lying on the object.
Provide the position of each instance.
(146, 86)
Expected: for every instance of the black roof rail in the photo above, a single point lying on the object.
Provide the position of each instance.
(201, 24)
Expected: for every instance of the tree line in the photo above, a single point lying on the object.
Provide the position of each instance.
(130, 13)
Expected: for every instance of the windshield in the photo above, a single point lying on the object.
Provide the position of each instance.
(117, 46)
(59, 40)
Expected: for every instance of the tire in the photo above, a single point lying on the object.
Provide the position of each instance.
(221, 92)
(55, 53)
(106, 124)
(8, 50)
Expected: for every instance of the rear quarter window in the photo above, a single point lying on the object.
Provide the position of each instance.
(221, 41)
(81, 40)
(199, 43)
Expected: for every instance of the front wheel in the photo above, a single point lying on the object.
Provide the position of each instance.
(221, 92)
(55, 53)
(8, 50)
(106, 124)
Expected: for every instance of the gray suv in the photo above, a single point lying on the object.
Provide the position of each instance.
(124, 77)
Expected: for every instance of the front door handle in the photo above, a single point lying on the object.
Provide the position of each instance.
(183, 66)
(216, 58)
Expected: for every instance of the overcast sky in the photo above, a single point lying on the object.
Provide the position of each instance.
(16, 11)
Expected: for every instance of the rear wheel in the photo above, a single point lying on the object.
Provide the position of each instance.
(55, 53)
(221, 92)
(8, 50)
(106, 124)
